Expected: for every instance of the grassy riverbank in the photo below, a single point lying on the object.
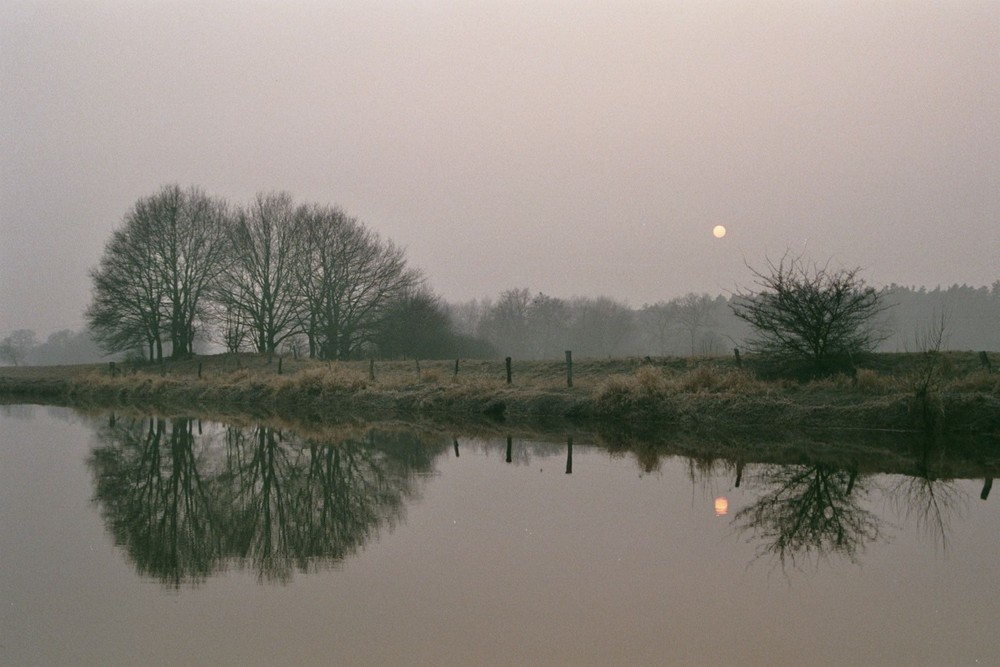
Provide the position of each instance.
(947, 392)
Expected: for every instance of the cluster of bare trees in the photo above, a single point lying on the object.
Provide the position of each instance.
(255, 276)
(186, 503)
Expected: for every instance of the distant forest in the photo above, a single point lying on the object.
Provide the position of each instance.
(538, 326)
(528, 325)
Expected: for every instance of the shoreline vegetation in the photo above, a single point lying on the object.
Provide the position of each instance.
(915, 414)
(942, 393)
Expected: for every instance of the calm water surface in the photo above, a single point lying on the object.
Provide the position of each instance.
(143, 541)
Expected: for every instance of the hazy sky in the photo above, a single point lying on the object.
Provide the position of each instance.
(575, 148)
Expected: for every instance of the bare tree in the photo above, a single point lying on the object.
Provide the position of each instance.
(258, 289)
(804, 312)
(347, 276)
(506, 323)
(155, 271)
(231, 325)
(465, 317)
(127, 307)
(600, 326)
(656, 323)
(694, 313)
(191, 252)
(547, 326)
(17, 346)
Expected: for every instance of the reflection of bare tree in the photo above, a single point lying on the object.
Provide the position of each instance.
(155, 501)
(928, 497)
(931, 502)
(810, 511)
(257, 502)
(185, 505)
(302, 502)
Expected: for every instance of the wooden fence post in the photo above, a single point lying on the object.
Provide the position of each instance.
(371, 369)
(569, 455)
(739, 362)
(509, 449)
(279, 365)
(569, 368)
(456, 368)
(509, 376)
(199, 370)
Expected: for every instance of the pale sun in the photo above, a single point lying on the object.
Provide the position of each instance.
(719, 231)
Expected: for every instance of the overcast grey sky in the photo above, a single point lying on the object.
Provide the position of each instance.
(575, 148)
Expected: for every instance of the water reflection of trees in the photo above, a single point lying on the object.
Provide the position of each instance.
(812, 512)
(809, 512)
(927, 497)
(931, 503)
(808, 503)
(186, 504)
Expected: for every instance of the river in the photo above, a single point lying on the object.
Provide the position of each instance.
(173, 541)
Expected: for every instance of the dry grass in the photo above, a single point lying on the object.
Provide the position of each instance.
(979, 381)
(654, 391)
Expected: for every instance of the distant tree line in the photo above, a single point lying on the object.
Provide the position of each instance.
(420, 325)
(65, 346)
(971, 316)
(539, 326)
(266, 276)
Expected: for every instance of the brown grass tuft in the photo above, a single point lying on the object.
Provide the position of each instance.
(709, 379)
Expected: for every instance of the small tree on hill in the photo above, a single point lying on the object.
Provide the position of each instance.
(803, 312)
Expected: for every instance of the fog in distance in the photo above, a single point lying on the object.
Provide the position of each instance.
(572, 148)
